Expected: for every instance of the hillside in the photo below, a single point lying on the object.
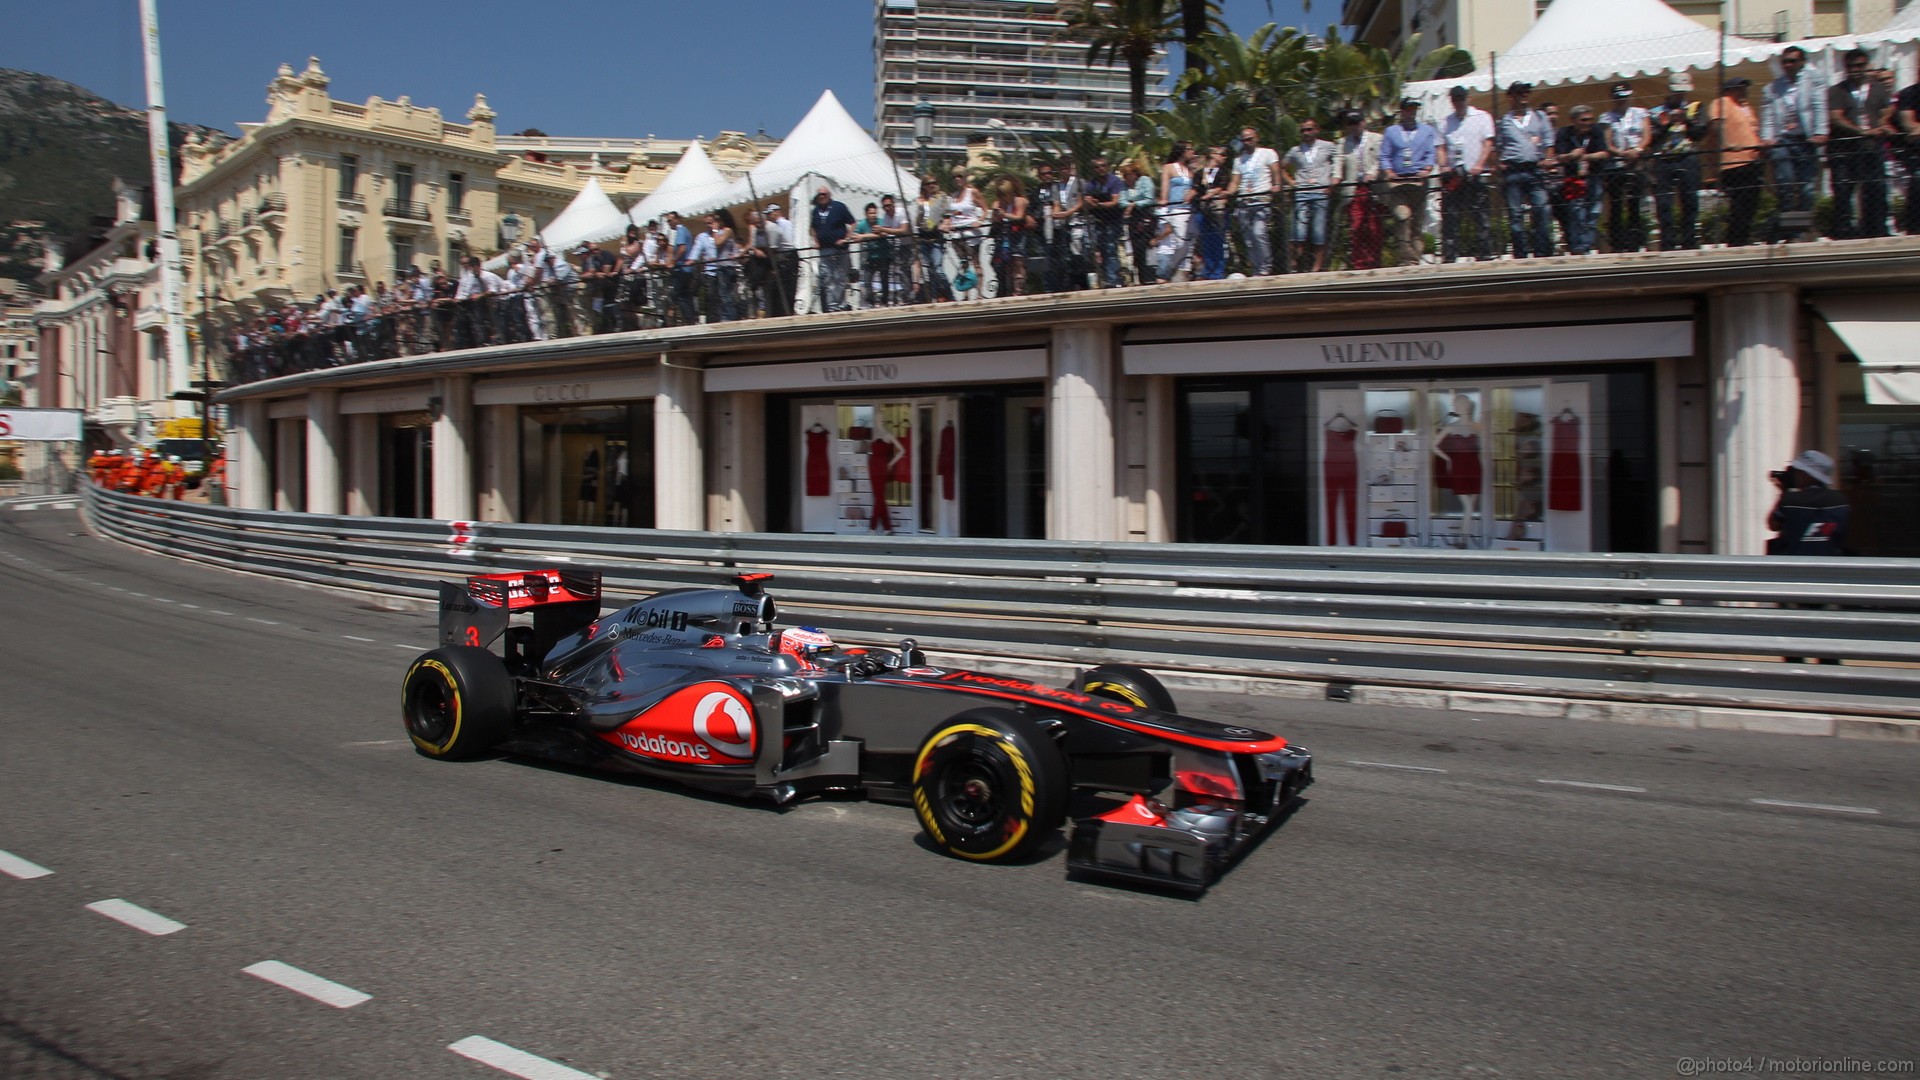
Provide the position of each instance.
(61, 146)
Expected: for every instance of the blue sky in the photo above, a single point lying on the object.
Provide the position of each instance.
(638, 67)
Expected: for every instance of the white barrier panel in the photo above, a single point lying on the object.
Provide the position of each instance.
(40, 425)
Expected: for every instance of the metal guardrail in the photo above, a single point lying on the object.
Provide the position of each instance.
(1670, 628)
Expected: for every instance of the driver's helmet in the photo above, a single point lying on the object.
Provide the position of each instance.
(806, 642)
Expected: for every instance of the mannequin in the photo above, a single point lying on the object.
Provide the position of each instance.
(1457, 465)
(1340, 475)
(589, 494)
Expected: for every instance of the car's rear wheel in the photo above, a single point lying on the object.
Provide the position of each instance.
(1124, 682)
(989, 785)
(457, 702)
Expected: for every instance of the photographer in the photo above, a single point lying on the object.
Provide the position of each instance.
(1810, 516)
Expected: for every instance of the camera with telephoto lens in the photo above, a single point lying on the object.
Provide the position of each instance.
(1782, 477)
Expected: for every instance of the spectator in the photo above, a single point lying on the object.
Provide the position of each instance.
(831, 224)
(1736, 138)
(1138, 197)
(1811, 517)
(876, 263)
(756, 262)
(1310, 167)
(932, 222)
(1463, 194)
(786, 261)
(1524, 139)
(600, 282)
(1176, 198)
(1793, 126)
(969, 209)
(1581, 151)
(1100, 200)
(680, 266)
(1359, 163)
(522, 313)
(550, 278)
(631, 296)
(1167, 246)
(1906, 124)
(1069, 230)
(1410, 155)
(1012, 221)
(1860, 118)
(1628, 128)
(1210, 200)
(1677, 131)
(1256, 177)
(722, 268)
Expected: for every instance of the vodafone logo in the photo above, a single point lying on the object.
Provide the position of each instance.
(722, 722)
(655, 744)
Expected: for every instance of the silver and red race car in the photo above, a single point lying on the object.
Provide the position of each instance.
(698, 686)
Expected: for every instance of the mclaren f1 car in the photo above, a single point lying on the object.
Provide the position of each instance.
(699, 686)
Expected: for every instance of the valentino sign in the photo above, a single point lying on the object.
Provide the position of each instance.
(1430, 350)
(40, 425)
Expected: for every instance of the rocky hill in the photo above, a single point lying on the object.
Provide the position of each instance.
(61, 146)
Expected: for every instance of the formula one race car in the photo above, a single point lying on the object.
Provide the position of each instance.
(696, 685)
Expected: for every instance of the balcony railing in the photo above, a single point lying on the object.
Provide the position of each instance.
(408, 211)
(273, 204)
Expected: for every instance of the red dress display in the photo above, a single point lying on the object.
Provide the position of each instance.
(1459, 471)
(1565, 490)
(819, 469)
(880, 454)
(1340, 474)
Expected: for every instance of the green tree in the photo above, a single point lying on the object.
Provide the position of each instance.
(1131, 32)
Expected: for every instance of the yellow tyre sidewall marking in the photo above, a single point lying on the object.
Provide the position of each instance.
(1124, 693)
(453, 688)
(1011, 749)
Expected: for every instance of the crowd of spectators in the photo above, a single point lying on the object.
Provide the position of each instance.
(1527, 183)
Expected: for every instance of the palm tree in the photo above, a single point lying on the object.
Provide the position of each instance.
(1198, 18)
(1127, 31)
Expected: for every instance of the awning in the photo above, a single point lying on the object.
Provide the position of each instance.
(1883, 331)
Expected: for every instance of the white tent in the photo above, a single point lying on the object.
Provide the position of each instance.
(1587, 41)
(589, 219)
(693, 177)
(827, 148)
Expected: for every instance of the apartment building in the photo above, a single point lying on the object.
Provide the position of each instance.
(981, 60)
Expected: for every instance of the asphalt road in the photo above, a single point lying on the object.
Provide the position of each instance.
(226, 753)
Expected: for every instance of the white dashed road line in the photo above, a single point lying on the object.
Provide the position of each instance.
(350, 637)
(1390, 765)
(134, 915)
(262, 622)
(14, 866)
(1589, 785)
(325, 991)
(1828, 807)
(222, 614)
(518, 1062)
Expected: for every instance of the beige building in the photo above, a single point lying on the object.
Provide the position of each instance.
(102, 341)
(19, 343)
(326, 193)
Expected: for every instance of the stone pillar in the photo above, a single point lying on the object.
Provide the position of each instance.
(363, 464)
(500, 463)
(678, 460)
(324, 443)
(1081, 500)
(453, 448)
(248, 484)
(1162, 452)
(289, 476)
(739, 461)
(1756, 409)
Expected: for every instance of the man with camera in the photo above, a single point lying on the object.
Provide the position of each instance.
(1810, 516)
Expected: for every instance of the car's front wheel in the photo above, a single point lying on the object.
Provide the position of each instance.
(989, 785)
(457, 702)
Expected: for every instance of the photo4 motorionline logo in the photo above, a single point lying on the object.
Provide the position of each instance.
(1793, 1066)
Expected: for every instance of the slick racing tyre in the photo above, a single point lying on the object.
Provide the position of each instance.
(457, 702)
(989, 786)
(1124, 682)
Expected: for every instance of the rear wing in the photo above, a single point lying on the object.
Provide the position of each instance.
(478, 611)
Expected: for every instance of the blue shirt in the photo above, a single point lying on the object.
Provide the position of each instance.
(830, 223)
(1407, 153)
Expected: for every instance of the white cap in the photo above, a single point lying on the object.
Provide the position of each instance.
(1814, 464)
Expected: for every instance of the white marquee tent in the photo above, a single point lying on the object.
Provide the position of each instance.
(590, 218)
(827, 148)
(693, 177)
(1588, 41)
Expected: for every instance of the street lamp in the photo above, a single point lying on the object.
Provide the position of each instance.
(922, 133)
(510, 229)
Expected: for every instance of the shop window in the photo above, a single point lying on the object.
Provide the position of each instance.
(1879, 466)
(1519, 464)
(406, 465)
(587, 466)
